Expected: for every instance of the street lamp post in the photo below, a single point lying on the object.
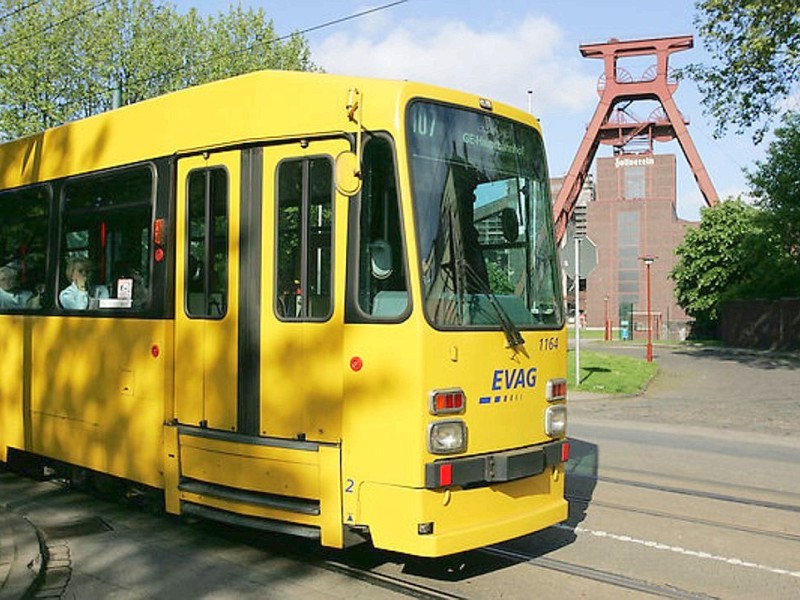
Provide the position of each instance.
(648, 260)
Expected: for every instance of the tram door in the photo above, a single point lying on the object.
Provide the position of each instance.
(303, 275)
(207, 280)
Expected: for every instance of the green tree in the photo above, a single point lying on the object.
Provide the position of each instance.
(756, 63)
(776, 185)
(63, 59)
(715, 258)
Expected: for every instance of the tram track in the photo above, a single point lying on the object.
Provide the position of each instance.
(414, 589)
(691, 520)
(587, 500)
(392, 583)
(598, 575)
(399, 575)
(692, 492)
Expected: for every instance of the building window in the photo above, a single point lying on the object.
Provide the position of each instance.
(635, 182)
(628, 253)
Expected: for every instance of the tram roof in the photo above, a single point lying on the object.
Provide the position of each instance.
(257, 107)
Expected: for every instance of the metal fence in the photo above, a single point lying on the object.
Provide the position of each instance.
(767, 324)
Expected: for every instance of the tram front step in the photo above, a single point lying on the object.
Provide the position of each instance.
(250, 522)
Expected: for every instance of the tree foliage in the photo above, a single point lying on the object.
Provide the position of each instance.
(776, 185)
(62, 60)
(756, 62)
(714, 258)
(739, 250)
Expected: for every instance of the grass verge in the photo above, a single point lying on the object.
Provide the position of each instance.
(610, 373)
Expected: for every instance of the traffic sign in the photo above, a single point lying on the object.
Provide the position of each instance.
(587, 256)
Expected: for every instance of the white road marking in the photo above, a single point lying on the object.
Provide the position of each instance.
(737, 562)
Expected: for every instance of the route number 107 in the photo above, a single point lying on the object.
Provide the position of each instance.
(423, 124)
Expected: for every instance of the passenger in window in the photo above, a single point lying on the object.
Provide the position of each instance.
(10, 294)
(79, 295)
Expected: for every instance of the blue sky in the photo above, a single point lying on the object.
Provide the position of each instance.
(504, 48)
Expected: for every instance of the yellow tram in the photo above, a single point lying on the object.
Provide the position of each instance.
(323, 305)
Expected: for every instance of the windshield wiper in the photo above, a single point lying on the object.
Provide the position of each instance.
(511, 331)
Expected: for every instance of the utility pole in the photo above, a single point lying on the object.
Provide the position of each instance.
(579, 219)
(648, 261)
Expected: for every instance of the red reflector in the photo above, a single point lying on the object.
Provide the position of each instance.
(158, 229)
(446, 474)
(155, 350)
(565, 452)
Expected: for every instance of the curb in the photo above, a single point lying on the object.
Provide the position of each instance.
(21, 561)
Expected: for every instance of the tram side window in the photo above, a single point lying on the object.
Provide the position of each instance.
(305, 240)
(23, 248)
(207, 260)
(106, 234)
(382, 282)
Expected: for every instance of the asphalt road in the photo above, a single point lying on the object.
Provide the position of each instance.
(690, 490)
(715, 388)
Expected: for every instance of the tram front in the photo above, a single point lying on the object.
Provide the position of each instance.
(491, 361)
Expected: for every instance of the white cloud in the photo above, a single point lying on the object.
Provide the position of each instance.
(499, 63)
(789, 103)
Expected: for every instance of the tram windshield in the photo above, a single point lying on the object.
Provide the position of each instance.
(484, 221)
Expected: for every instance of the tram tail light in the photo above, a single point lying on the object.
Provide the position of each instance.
(447, 437)
(556, 390)
(445, 474)
(443, 402)
(555, 420)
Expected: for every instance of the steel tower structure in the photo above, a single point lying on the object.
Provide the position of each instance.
(616, 87)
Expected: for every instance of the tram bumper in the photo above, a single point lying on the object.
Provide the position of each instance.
(438, 522)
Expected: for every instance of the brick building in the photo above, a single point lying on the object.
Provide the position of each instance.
(631, 213)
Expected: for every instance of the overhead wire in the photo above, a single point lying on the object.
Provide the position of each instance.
(210, 60)
(270, 41)
(217, 57)
(52, 26)
(350, 17)
(18, 10)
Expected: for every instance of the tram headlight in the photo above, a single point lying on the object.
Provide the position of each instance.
(555, 420)
(447, 437)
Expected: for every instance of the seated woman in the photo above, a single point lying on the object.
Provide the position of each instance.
(76, 296)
